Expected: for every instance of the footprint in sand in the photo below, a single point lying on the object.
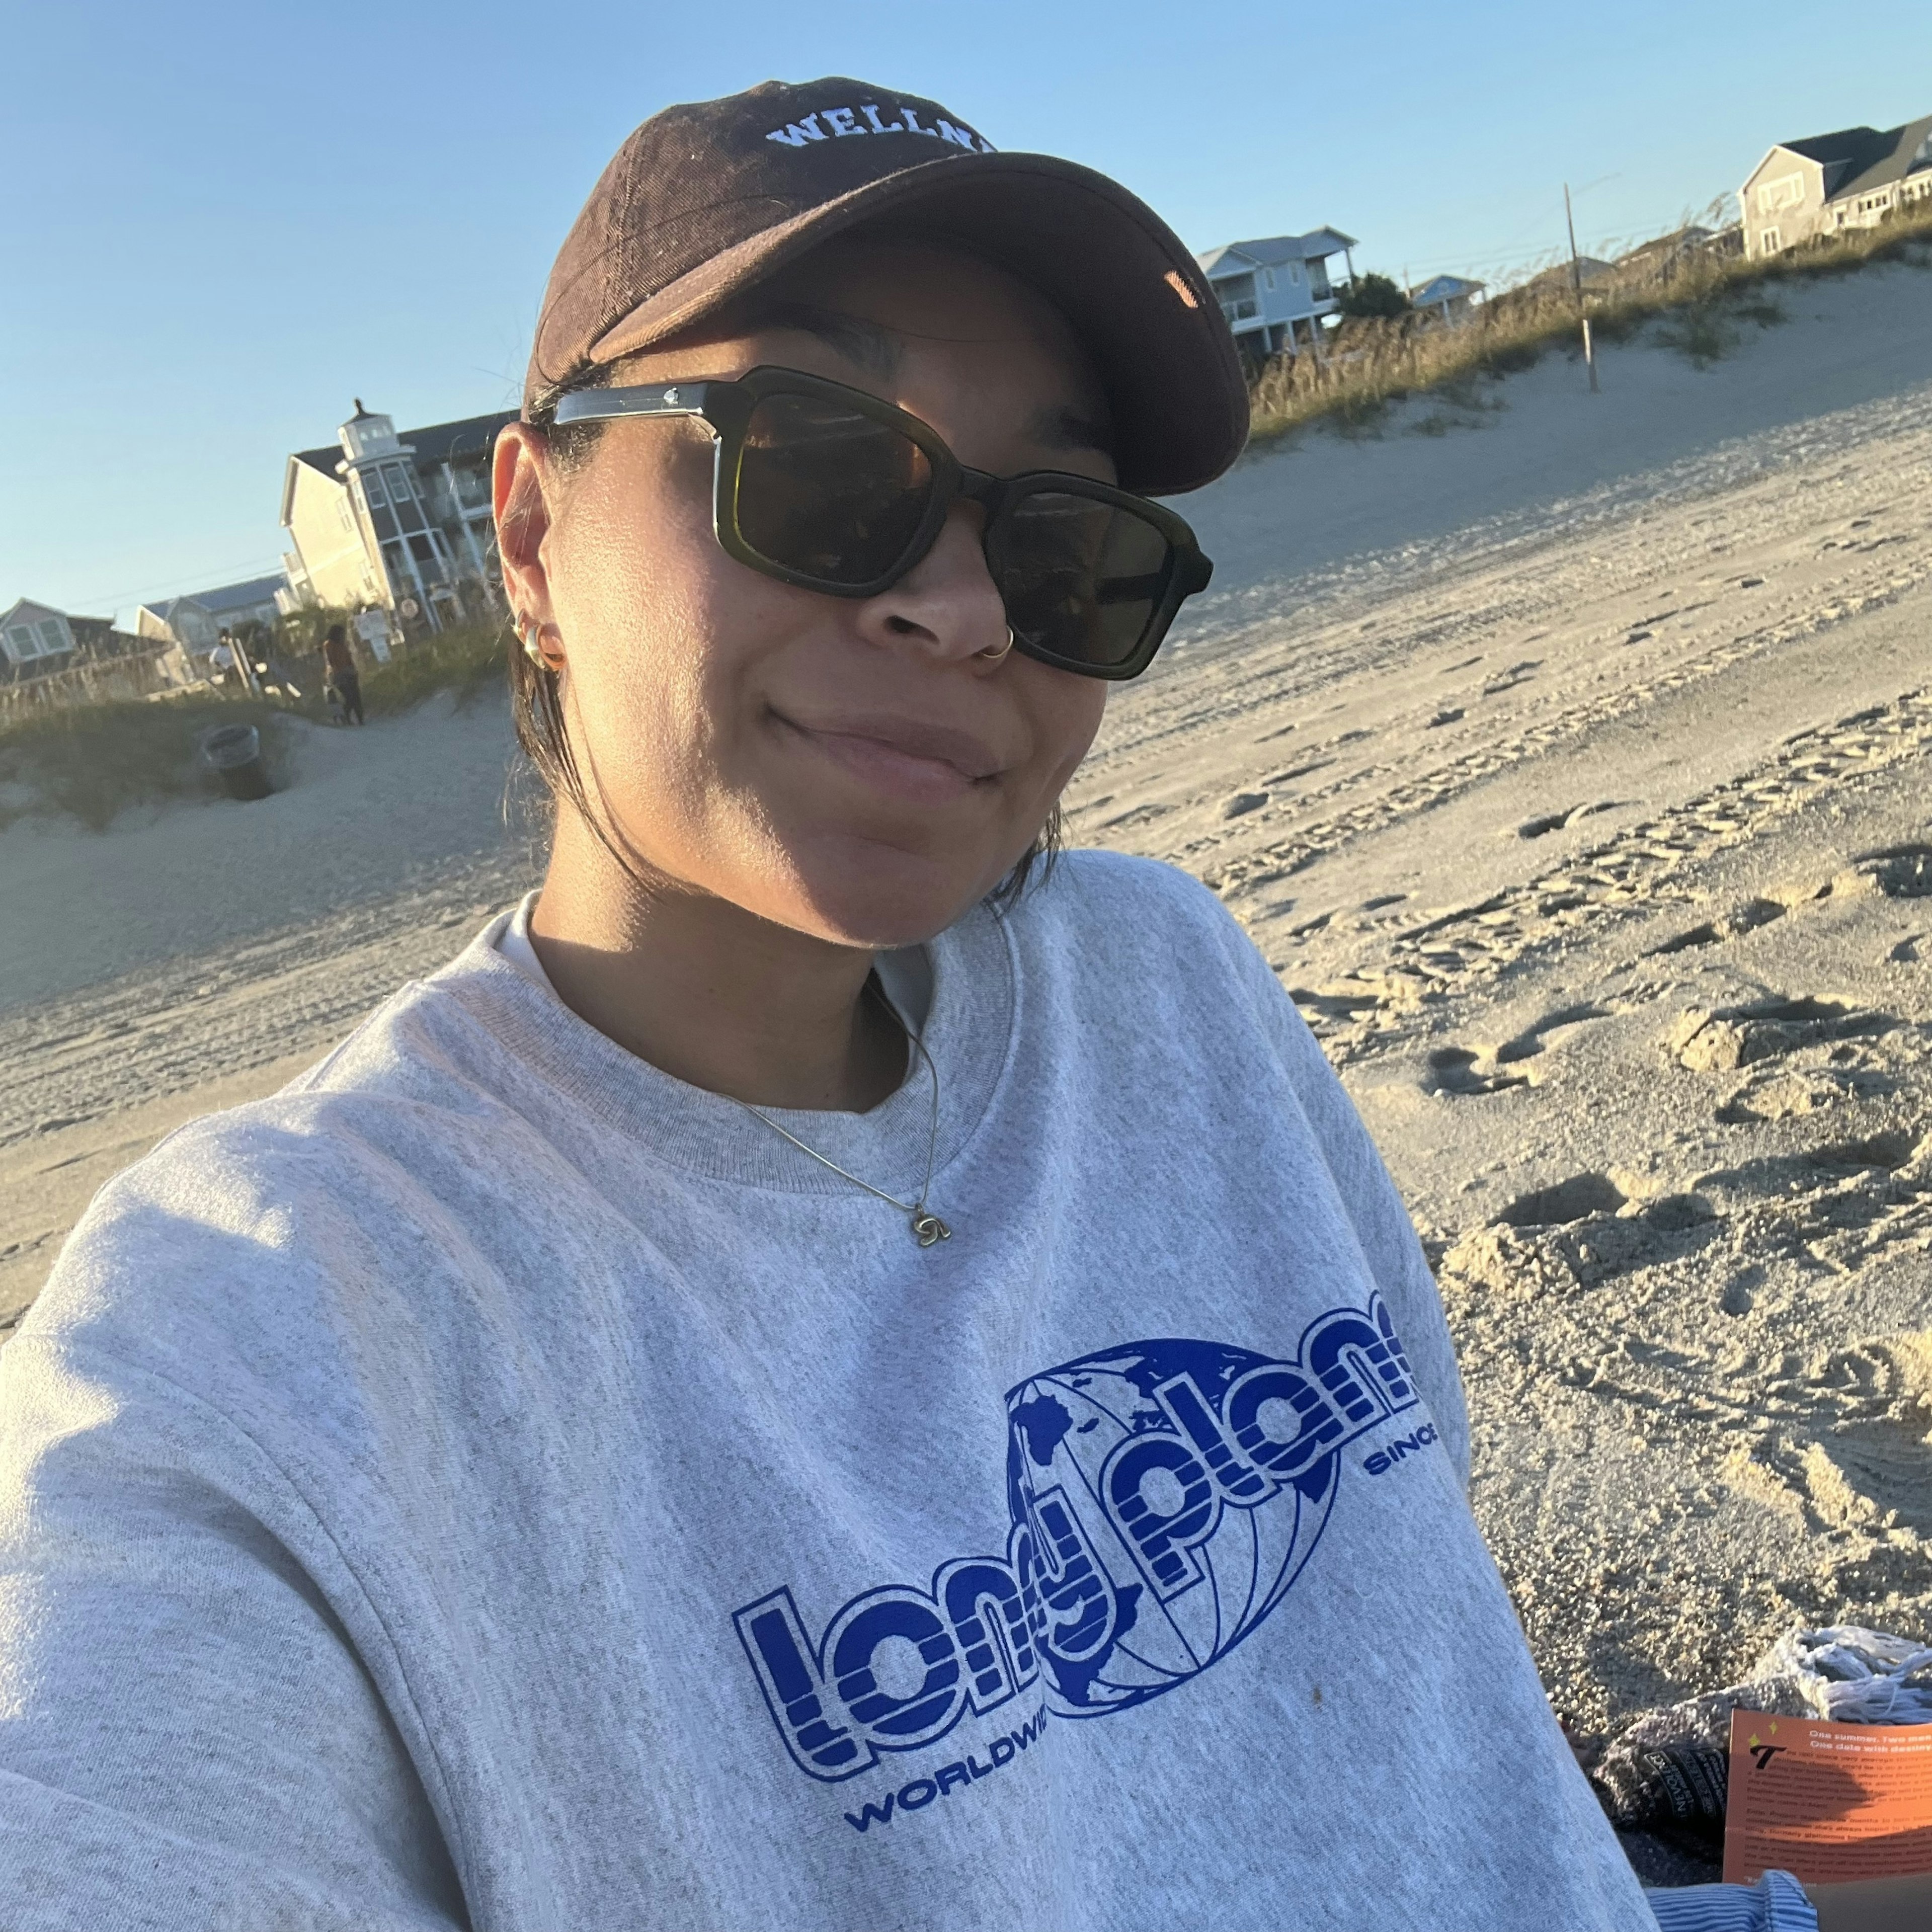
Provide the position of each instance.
(1899, 872)
(1790, 1093)
(1533, 1040)
(1517, 674)
(1545, 823)
(1455, 1069)
(1722, 1041)
(1748, 918)
(1137, 814)
(1567, 1201)
(1463, 1070)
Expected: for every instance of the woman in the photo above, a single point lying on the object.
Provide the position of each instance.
(870, 1379)
(340, 679)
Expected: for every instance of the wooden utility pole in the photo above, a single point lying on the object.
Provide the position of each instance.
(1576, 289)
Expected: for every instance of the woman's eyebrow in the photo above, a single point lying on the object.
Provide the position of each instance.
(879, 351)
(864, 343)
(1057, 427)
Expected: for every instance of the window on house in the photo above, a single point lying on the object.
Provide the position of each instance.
(53, 636)
(372, 487)
(402, 486)
(22, 644)
(1769, 242)
(1268, 275)
(1294, 272)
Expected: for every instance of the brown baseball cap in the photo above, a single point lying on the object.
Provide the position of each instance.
(705, 200)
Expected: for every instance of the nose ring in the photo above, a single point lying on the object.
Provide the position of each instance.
(993, 655)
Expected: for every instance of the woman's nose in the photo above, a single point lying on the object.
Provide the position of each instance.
(947, 606)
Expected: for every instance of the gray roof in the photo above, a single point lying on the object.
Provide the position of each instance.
(1857, 160)
(237, 596)
(1900, 151)
(224, 598)
(440, 442)
(1273, 250)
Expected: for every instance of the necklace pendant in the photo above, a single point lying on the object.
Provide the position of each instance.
(929, 1229)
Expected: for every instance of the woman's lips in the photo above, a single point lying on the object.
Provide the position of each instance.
(908, 759)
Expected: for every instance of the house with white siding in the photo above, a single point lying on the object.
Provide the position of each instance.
(197, 620)
(401, 522)
(1826, 184)
(35, 638)
(38, 643)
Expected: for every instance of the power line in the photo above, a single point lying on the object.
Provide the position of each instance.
(259, 566)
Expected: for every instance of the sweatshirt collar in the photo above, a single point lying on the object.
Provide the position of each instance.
(570, 1071)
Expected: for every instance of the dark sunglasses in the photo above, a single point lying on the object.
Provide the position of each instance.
(824, 486)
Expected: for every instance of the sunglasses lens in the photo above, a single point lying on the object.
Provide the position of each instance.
(828, 492)
(1082, 579)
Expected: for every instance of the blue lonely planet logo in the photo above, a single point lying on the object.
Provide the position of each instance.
(1164, 1497)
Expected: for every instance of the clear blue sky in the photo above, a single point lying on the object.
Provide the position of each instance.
(220, 222)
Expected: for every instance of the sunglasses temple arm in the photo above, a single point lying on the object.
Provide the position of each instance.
(651, 399)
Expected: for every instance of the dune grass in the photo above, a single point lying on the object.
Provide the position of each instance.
(466, 660)
(1701, 305)
(90, 762)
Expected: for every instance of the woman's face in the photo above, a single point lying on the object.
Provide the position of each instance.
(859, 770)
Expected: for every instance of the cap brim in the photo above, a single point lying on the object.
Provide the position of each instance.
(1123, 279)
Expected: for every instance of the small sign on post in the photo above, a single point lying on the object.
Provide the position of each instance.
(372, 628)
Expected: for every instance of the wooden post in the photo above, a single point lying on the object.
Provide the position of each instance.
(1576, 289)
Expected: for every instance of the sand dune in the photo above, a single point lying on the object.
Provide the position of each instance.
(1568, 760)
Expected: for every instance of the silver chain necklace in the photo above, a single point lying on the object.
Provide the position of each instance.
(927, 1229)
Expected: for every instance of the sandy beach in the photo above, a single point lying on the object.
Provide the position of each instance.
(1567, 756)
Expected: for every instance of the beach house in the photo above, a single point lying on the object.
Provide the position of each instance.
(1276, 292)
(35, 638)
(1826, 184)
(39, 644)
(398, 521)
(196, 620)
(1445, 299)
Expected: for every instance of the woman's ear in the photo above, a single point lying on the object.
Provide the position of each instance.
(522, 479)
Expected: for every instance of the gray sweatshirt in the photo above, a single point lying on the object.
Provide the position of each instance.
(491, 1484)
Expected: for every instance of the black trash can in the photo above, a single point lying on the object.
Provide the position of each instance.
(235, 751)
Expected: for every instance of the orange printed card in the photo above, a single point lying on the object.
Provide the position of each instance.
(1828, 1803)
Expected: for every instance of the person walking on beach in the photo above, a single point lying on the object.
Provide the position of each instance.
(873, 1377)
(340, 676)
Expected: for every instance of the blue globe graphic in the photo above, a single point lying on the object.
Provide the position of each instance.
(1062, 1427)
